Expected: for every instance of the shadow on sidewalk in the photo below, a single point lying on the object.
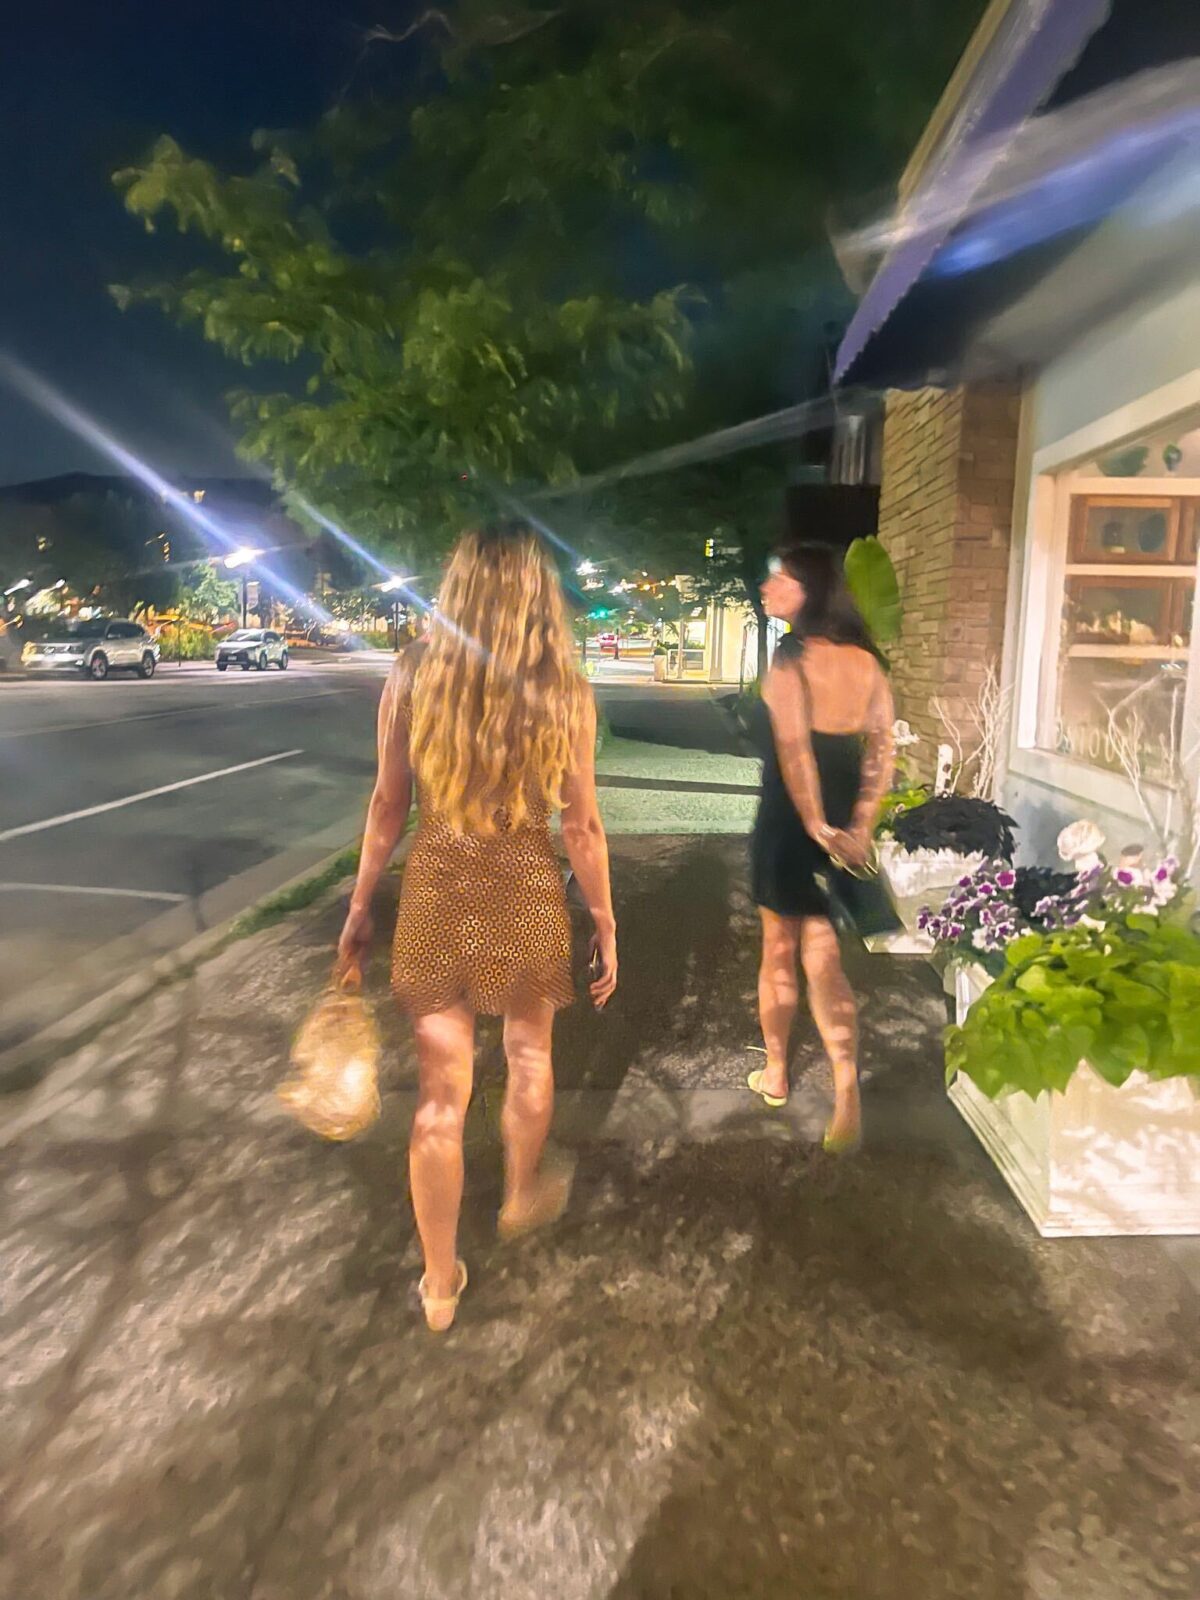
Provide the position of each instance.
(735, 1369)
(732, 1372)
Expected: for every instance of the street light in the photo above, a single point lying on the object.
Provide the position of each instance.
(242, 557)
(10, 604)
(585, 569)
(391, 585)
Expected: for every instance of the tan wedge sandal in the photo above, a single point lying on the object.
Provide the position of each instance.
(549, 1202)
(440, 1311)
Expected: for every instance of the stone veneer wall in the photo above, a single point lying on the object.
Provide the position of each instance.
(945, 516)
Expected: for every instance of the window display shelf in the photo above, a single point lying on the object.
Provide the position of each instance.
(1129, 652)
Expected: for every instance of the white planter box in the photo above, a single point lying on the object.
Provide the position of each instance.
(920, 878)
(1095, 1160)
(923, 872)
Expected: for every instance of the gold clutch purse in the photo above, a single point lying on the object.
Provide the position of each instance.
(334, 1091)
(866, 870)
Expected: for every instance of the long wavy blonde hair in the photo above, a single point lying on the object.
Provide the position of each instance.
(497, 699)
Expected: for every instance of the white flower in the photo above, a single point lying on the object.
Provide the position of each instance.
(1080, 843)
(980, 938)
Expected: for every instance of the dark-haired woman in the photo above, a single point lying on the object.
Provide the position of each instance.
(827, 762)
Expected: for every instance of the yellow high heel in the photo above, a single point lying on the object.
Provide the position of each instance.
(841, 1144)
(754, 1084)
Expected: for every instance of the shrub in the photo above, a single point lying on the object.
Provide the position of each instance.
(183, 641)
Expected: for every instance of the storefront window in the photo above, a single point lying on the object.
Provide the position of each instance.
(1129, 586)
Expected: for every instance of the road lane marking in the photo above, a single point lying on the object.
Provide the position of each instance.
(146, 794)
(151, 716)
(79, 888)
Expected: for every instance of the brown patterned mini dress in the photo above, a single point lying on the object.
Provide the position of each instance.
(483, 921)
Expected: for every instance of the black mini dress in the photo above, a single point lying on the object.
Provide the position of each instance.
(790, 873)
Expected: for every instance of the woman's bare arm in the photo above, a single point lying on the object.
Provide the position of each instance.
(387, 814)
(786, 700)
(879, 757)
(586, 845)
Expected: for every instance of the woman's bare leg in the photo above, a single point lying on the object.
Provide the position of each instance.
(531, 1196)
(778, 995)
(831, 1001)
(445, 1054)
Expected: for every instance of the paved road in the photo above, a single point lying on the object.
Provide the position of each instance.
(127, 806)
(133, 815)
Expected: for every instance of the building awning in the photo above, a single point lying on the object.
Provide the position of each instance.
(1037, 43)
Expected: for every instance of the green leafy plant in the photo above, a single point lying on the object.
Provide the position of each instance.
(1124, 997)
(443, 255)
(871, 579)
(896, 801)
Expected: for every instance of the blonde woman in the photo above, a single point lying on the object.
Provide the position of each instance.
(492, 721)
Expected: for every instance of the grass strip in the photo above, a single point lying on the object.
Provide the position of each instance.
(277, 906)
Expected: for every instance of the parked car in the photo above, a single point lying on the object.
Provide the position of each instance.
(93, 648)
(253, 647)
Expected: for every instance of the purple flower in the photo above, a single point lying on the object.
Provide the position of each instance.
(1006, 879)
(1124, 877)
(1162, 874)
(956, 930)
(987, 889)
(965, 883)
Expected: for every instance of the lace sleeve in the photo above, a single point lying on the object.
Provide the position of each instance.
(787, 702)
(879, 755)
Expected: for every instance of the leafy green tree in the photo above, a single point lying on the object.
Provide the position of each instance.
(584, 233)
(207, 597)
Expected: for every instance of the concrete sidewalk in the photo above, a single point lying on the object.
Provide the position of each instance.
(736, 1369)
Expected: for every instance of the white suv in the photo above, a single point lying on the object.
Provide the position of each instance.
(253, 647)
(93, 649)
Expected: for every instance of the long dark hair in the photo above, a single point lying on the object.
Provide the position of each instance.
(829, 611)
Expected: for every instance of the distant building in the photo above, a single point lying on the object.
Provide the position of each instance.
(91, 526)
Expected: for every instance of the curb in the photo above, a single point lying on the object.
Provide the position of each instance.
(19, 1065)
(729, 706)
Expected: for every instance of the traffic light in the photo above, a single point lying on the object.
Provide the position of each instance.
(600, 612)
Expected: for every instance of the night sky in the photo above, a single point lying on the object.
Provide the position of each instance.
(84, 88)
